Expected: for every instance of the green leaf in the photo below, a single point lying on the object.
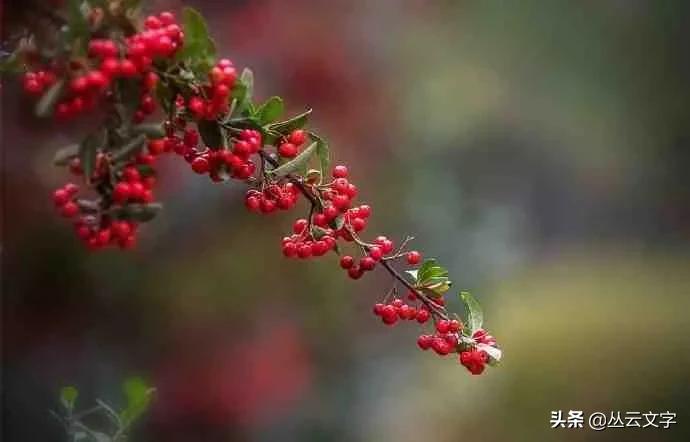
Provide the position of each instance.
(88, 150)
(297, 163)
(323, 152)
(137, 212)
(11, 64)
(270, 110)
(77, 25)
(138, 395)
(475, 316)
(68, 397)
(430, 270)
(211, 133)
(199, 49)
(46, 104)
(63, 156)
(131, 148)
(338, 222)
(152, 131)
(294, 123)
(413, 273)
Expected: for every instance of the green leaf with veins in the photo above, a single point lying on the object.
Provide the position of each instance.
(323, 152)
(198, 49)
(300, 161)
(270, 110)
(475, 316)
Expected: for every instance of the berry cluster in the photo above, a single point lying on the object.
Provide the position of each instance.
(222, 79)
(290, 146)
(35, 83)
(273, 197)
(398, 309)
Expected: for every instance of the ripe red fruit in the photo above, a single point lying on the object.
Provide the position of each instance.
(304, 251)
(157, 146)
(454, 325)
(443, 326)
(358, 224)
(121, 229)
(287, 150)
(69, 210)
(299, 225)
(131, 174)
(252, 203)
(60, 197)
(376, 253)
(424, 342)
(355, 272)
(440, 346)
(367, 263)
(364, 211)
(297, 137)
(346, 261)
(78, 85)
(378, 309)
(127, 68)
(423, 315)
(340, 172)
(196, 107)
(289, 249)
(413, 257)
(122, 192)
(397, 303)
(200, 165)
(71, 188)
(389, 315)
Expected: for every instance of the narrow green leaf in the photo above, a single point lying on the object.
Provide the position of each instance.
(131, 148)
(152, 131)
(294, 123)
(88, 150)
(298, 162)
(475, 316)
(211, 133)
(77, 25)
(138, 395)
(63, 156)
(198, 47)
(270, 110)
(338, 222)
(68, 397)
(323, 152)
(46, 104)
(247, 79)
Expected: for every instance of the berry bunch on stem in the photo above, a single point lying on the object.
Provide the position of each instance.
(129, 71)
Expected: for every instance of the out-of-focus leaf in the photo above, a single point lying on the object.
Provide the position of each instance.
(77, 25)
(137, 212)
(129, 149)
(475, 316)
(64, 155)
(11, 64)
(68, 397)
(46, 104)
(296, 163)
(88, 150)
(138, 395)
(211, 133)
(323, 152)
(152, 131)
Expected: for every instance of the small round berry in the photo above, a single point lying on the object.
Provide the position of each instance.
(378, 309)
(443, 326)
(200, 165)
(423, 315)
(389, 315)
(376, 253)
(297, 137)
(299, 225)
(364, 211)
(454, 325)
(347, 261)
(122, 192)
(367, 263)
(305, 251)
(289, 249)
(287, 150)
(70, 209)
(440, 346)
(61, 197)
(413, 257)
(340, 172)
(355, 272)
(424, 341)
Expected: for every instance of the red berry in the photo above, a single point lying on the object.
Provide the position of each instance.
(424, 342)
(253, 203)
(289, 249)
(297, 137)
(340, 172)
(423, 315)
(127, 68)
(358, 224)
(364, 211)
(367, 263)
(443, 326)
(287, 150)
(397, 303)
(355, 272)
(200, 165)
(454, 325)
(413, 257)
(389, 315)
(70, 209)
(299, 225)
(440, 346)
(131, 174)
(122, 192)
(376, 253)
(121, 229)
(304, 251)
(378, 309)
(60, 197)
(167, 18)
(346, 261)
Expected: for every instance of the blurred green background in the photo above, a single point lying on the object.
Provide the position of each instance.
(539, 149)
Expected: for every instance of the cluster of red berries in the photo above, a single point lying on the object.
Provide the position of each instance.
(133, 188)
(290, 146)
(222, 79)
(474, 360)
(64, 199)
(303, 243)
(235, 162)
(446, 338)
(398, 309)
(35, 83)
(89, 81)
(273, 197)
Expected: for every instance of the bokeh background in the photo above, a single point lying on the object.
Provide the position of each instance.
(539, 149)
